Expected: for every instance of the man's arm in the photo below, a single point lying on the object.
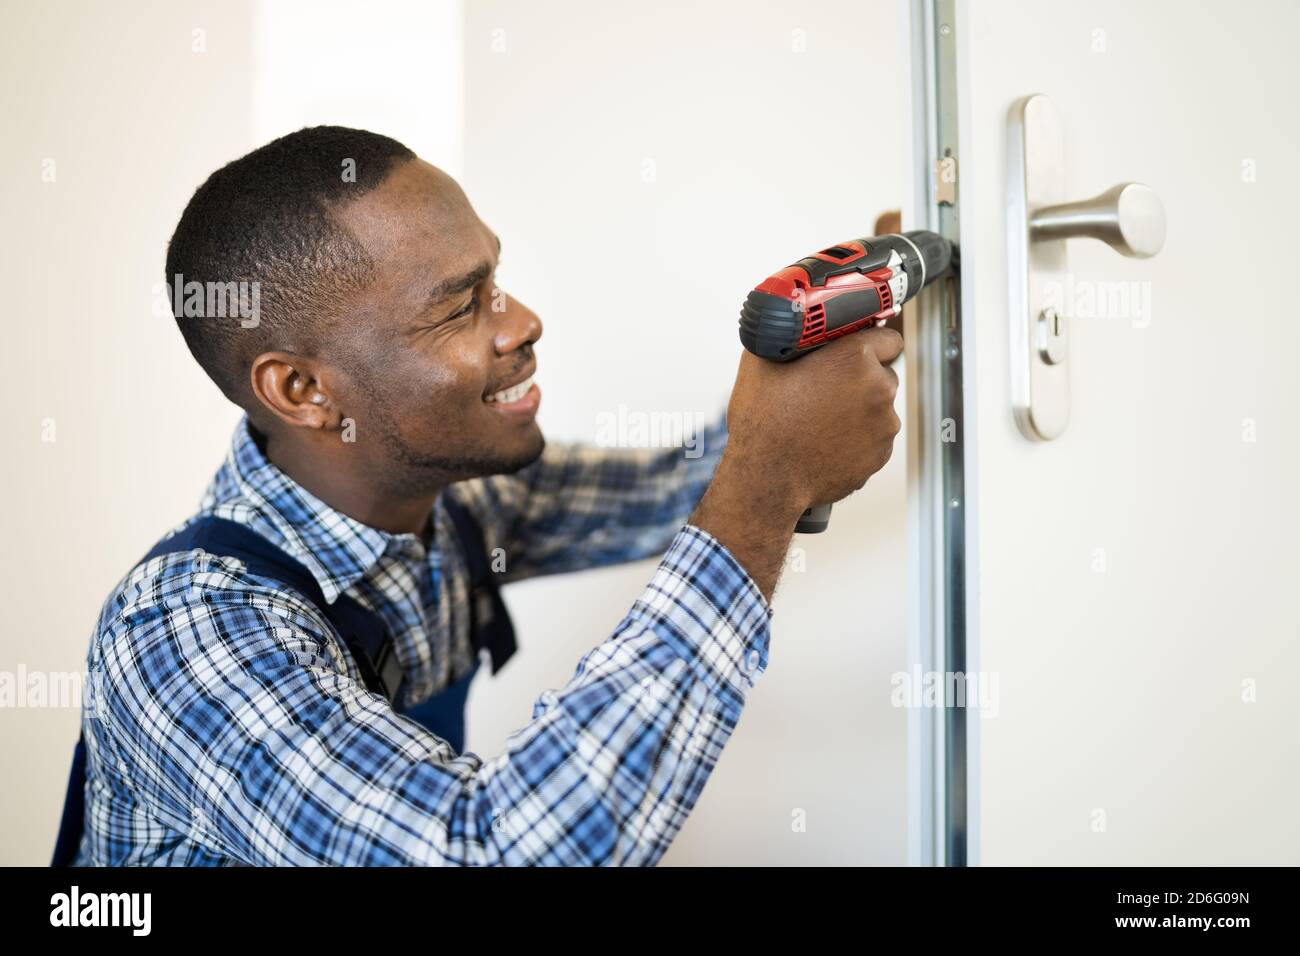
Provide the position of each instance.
(583, 506)
(238, 724)
(229, 717)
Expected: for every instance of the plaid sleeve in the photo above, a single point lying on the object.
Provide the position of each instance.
(228, 713)
(583, 506)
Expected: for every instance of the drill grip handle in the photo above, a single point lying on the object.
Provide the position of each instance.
(814, 521)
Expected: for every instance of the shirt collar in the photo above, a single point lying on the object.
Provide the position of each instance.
(336, 549)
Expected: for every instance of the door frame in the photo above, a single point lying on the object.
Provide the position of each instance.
(939, 737)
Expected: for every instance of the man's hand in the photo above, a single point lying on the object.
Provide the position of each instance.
(802, 433)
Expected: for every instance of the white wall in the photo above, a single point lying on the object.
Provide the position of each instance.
(391, 66)
(761, 154)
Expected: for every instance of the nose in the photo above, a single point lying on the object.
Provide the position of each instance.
(517, 326)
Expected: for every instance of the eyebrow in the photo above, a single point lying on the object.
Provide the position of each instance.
(446, 288)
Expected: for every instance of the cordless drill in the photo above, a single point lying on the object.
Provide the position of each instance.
(850, 286)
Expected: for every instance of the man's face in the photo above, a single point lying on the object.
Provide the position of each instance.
(428, 348)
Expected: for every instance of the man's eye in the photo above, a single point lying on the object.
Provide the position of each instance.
(473, 304)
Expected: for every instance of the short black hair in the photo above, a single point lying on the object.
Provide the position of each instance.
(266, 218)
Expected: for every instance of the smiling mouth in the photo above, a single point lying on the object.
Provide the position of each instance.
(511, 394)
(518, 403)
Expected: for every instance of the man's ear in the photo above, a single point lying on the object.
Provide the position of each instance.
(290, 386)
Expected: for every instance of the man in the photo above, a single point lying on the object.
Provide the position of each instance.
(389, 446)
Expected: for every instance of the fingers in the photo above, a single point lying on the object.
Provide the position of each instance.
(894, 322)
(886, 344)
(893, 377)
(887, 222)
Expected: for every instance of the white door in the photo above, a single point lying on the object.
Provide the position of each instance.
(1131, 584)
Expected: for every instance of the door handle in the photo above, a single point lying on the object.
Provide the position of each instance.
(1129, 217)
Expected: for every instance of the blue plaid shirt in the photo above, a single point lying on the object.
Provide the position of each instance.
(225, 723)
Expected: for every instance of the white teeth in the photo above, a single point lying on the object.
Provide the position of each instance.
(512, 394)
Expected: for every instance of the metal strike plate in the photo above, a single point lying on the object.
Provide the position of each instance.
(1128, 217)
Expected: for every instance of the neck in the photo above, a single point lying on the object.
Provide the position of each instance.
(346, 485)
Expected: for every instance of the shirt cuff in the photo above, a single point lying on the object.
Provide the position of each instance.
(709, 610)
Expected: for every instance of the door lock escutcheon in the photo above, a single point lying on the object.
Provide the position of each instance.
(1129, 218)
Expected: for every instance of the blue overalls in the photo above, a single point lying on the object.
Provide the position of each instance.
(362, 630)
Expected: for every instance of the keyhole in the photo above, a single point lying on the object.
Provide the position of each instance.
(1051, 344)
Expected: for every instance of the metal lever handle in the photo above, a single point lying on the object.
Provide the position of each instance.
(1130, 218)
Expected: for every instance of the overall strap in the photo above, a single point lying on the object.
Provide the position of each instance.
(490, 624)
(361, 629)
(74, 809)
